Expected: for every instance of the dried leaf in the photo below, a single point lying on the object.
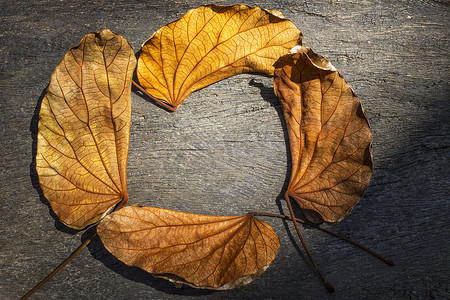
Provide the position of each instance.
(329, 135)
(210, 43)
(84, 126)
(214, 252)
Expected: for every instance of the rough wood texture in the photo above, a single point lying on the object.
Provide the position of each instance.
(224, 152)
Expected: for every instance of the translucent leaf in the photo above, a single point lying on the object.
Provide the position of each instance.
(329, 135)
(210, 43)
(84, 126)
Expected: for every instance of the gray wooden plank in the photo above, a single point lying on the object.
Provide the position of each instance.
(224, 152)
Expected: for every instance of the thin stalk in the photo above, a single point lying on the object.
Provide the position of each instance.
(159, 101)
(342, 237)
(65, 262)
(328, 285)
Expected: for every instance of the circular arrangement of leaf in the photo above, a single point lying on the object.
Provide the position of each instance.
(84, 127)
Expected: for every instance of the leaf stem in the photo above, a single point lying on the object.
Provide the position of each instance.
(55, 271)
(159, 101)
(342, 237)
(328, 285)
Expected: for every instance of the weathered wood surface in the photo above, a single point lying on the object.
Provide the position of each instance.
(224, 152)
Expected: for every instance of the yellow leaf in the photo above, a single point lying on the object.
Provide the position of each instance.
(330, 139)
(210, 43)
(84, 126)
(215, 252)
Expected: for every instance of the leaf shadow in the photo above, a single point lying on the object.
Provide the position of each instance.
(268, 95)
(33, 172)
(136, 91)
(99, 252)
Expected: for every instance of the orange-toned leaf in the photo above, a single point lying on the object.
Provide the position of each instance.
(329, 135)
(215, 252)
(84, 126)
(210, 43)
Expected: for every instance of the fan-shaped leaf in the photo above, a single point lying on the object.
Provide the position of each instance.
(84, 126)
(214, 252)
(329, 135)
(211, 43)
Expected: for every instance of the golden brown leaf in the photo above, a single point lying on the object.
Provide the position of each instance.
(329, 135)
(84, 126)
(210, 43)
(215, 252)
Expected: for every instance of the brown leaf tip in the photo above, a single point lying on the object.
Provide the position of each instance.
(103, 36)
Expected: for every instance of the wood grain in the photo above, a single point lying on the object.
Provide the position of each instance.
(224, 152)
